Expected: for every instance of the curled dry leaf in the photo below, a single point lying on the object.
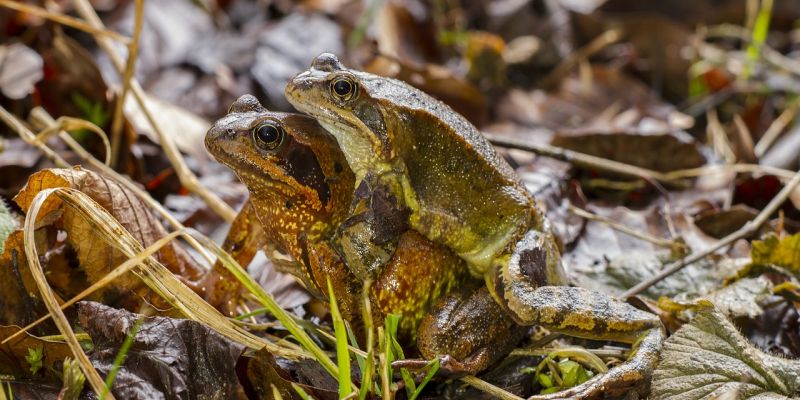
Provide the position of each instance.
(708, 358)
(95, 257)
(168, 358)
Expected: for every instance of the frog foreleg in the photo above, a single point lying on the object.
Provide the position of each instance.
(368, 238)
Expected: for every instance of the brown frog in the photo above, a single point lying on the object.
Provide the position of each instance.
(300, 190)
(461, 194)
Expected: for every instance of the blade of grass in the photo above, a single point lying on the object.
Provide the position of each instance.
(158, 277)
(40, 116)
(95, 381)
(120, 358)
(433, 368)
(269, 302)
(133, 52)
(760, 31)
(63, 20)
(386, 365)
(105, 280)
(342, 354)
(369, 364)
(392, 322)
(489, 388)
(302, 393)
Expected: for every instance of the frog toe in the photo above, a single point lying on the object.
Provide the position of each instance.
(631, 377)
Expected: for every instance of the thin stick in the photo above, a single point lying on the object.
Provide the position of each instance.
(30, 138)
(576, 158)
(604, 39)
(184, 173)
(748, 229)
(489, 388)
(590, 161)
(775, 129)
(622, 228)
(63, 20)
(133, 52)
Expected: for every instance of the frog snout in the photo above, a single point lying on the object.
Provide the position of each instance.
(216, 135)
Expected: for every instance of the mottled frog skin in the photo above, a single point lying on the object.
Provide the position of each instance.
(300, 190)
(461, 194)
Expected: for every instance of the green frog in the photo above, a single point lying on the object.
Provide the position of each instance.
(461, 194)
(300, 190)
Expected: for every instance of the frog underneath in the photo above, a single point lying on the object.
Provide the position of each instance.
(461, 194)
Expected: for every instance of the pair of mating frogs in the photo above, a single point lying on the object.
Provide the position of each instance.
(387, 184)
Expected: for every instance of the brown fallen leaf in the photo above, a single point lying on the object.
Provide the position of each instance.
(168, 358)
(95, 258)
(19, 303)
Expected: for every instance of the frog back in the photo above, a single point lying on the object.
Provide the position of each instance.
(469, 197)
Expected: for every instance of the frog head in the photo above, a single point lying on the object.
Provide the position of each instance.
(339, 98)
(296, 173)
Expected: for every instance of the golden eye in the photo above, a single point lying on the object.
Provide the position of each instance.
(268, 135)
(343, 88)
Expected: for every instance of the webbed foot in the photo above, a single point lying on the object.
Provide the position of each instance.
(632, 377)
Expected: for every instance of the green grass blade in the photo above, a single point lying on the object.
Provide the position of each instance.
(342, 352)
(433, 368)
(120, 358)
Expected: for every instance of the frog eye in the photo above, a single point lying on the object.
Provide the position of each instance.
(268, 135)
(343, 88)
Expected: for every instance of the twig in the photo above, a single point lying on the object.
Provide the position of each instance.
(590, 161)
(775, 129)
(581, 159)
(489, 388)
(30, 138)
(622, 228)
(133, 52)
(186, 176)
(606, 38)
(745, 138)
(63, 20)
(748, 229)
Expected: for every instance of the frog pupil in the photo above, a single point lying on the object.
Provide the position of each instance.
(342, 87)
(268, 135)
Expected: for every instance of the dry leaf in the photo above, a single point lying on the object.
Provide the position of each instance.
(96, 258)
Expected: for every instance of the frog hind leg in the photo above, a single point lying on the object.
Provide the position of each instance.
(468, 331)
(577, 312)
(632, 376)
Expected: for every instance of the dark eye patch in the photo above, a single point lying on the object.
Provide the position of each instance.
(301, 163)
